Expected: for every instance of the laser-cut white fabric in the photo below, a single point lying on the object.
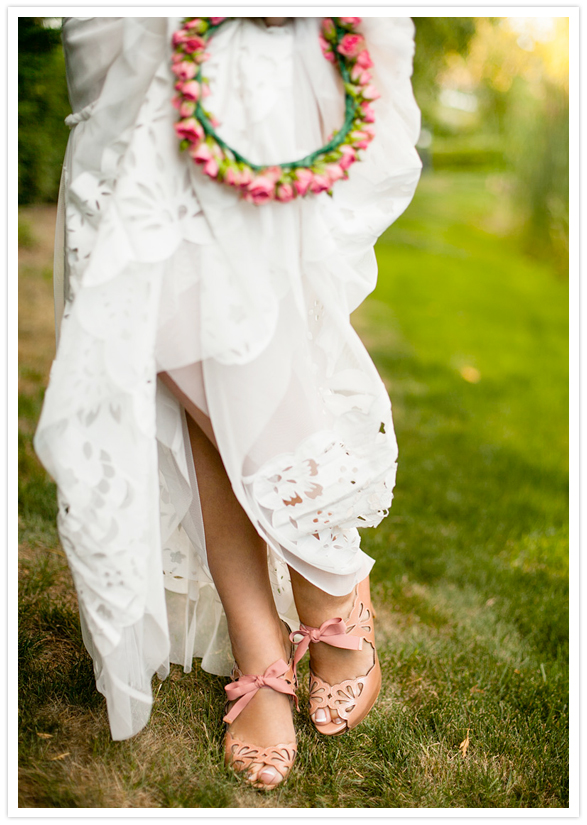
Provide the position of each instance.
(159, 268)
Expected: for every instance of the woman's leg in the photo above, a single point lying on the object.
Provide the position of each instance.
(237, 557)
(238, 562)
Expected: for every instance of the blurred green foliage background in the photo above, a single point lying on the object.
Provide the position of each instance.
(42, 107)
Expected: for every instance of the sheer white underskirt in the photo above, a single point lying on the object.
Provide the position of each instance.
(158, 268)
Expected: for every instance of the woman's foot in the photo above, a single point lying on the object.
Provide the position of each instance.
(261, 739)
(333, 666)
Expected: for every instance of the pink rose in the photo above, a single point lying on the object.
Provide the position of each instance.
(335, 172)
(370, 92)
(190, 42)
(189, 89)
(349, 156)
(328, 29)
(216, 20)
(187, 108)
(177, 38)
(194, 44)
(273, 173)
(184, 70)
(360, 75)
(285, 192)
(195, 25)
(351, 45)
(303, 180)
(261, 189)
(364, 59)
(246, 176)
(205, 90)
(326, 48)
(189, 129)
(350, 21)
(202, 153)
(176, 101)
(211, 168)
(369, 130)
(232, 177)
(177, 57)
(320, 183)
(367, 112)
(360, 139)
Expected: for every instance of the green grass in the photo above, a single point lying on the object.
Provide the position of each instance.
(471, 579)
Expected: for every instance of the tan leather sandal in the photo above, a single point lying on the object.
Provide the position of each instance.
(352, 699)
(252, 760)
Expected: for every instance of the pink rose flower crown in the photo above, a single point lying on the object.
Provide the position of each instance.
(343, 46)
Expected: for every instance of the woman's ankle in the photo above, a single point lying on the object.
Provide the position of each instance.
(315, 606)
(254, 651)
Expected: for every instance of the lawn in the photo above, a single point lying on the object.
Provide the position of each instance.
(471, 580)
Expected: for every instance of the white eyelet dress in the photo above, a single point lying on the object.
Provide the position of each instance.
(158, 268)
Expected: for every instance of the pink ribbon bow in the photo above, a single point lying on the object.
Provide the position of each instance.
(246, 687)
(332, 632)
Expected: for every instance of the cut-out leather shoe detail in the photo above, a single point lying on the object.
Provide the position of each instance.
(262, 767)
(352, 699)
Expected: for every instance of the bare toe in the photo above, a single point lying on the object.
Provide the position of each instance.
(269, 776)
(335, 718)
(322, 716)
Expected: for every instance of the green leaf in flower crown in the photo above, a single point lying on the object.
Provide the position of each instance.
(354, 91)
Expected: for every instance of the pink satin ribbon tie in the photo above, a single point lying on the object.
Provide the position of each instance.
(332, 632)
(246, 687)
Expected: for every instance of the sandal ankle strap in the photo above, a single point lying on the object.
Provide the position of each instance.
(245, 687)
(333, 632)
